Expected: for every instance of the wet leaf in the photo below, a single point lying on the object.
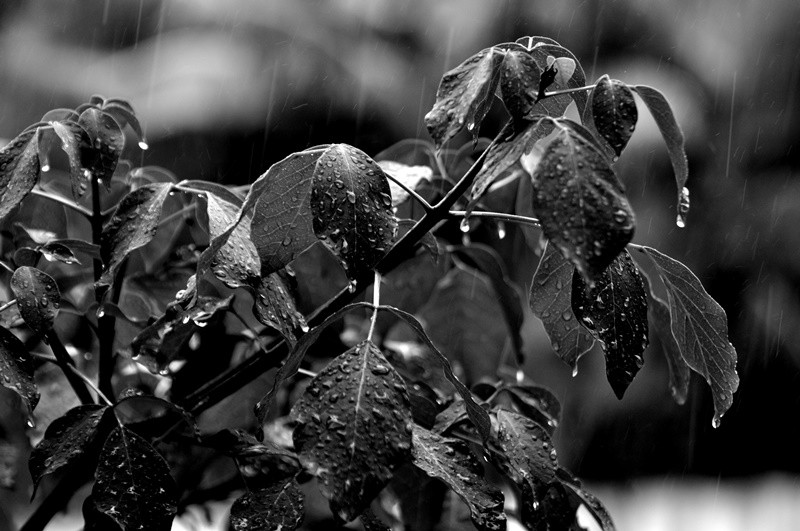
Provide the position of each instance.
(581, 204)
(19, 170)
(451, 461)
(354, 428)
(106, 142)
(281, 226)
(615, 312)
(58, 252)
(464, 96)
(661, 111)
(74, 246)
(275, 307)
(132, 226)
(658, 317)
(122, 111)
(37, 296)
(614, 112)
(351, 206)
(536, 403)
(700, 328)
(73, 138)
(547, 54)
(140, 408)
(519, 83)
(17, 368)
(133, 485)
(581, 495)
(487, 261)
(411, 176)
(278, 507)
(529, 455)
(66, 440)
(551, 301)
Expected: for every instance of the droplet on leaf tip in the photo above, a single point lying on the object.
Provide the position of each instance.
(716, 422)
(351, 286)
(575, 370)
(520, 376)
(45, 168)
(464, 226)
(683, 207)
(143, 145)
(501, 230)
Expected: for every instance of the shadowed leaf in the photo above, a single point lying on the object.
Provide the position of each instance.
(551, 301)
(362, 401)
(536, 403)
(56, 251)
(17, 368)
(464, 96)
(615, 312)
(133, 485)
(581, 204)
(277, 507)
(275, 307)
(614, 112)
(519, 82)
(37, 296)
(66, 439)
(19, 170)
(132, 226)
(351, 206)
(700, 328)
(451, 461)
(106, 142)
(73, 139)
(580, 494)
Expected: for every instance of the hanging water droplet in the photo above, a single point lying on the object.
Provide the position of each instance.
(143, 145)
(501, 229)
(520, 376)
(683, 208)
(30, 423)
(351, 286)
(101, 312)
(575, 370)
(464, 226)
(45, 168)
(304, 327)
(716, 422)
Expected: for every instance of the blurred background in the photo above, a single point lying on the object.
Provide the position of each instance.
(224, 89)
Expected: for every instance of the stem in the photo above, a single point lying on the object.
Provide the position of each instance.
(79, 374)
(306, 372)
(67, 365)
(376, 301)
(522, 220)
(8, 305)
(64, 201)
(421, 200)
(7, 267)
(566, 91)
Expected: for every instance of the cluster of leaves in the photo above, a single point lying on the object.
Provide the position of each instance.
(407, 408)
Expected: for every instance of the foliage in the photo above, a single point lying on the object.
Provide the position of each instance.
(422, 390)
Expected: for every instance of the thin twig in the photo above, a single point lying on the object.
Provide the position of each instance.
(376, 301)
(6, 267)
(8, 305)
(567, 91)
(64, 201)
(421, 200)
(513, 218)
(77, 373)
(64, 361)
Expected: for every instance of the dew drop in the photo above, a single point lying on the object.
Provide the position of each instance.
(143, 145)
(45, 168)
(501, 230)
(304, 327)
(716, 422)
(464, 225)
(683, 208)
(31, 424)
(351, 286)
(575, 370)
(101, 312)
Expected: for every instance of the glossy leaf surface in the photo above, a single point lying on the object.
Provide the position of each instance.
(37, 296)
(275, 508)
(614, 112)
(17, 368)
(106, 140)
(19, 170)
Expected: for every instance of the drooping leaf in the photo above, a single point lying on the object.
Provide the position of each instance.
(559, 61)
(66, 440)
(122, 111)
(587, 499)
(464, 96)
(529, 455)
(37, 296)
(614, 112)
(486, 260)
(451, 461)
(615, 312)
(361, 399)
(73, 138)
(132, 226)
(700, 328)
(519, 83)
(673, 136)
(106, 143)
(464, 318)
(275, 307)
(133, 485)
(536, 403)
(551, 301)
(281, 226)
(581, 204)
(17, 368)
(19, 170)
(138, 409)
(658, 317)
(351, 206)
(275, 508)
(411, 176)
(56, 251)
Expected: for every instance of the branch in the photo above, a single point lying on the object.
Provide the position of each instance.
(421, 200)
(67, 365)
(64, 201)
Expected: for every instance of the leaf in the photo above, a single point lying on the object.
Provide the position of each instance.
(277, 507)
(67, 439)
(581, 204)
(281, 226)
(122, 111)
(464, 96)
(55, 251)
(274, 306)
(551, 301)
(37, 296)
(661, 111)
(658, 317)
(411, 176)
(362, 401)
(536, 403)
(140, 408)
(614, 112)
(73, 138)
(133, 485)
(586, 498)
(106, 143)
(19, 170)
(519, 83)
(486, 260)
(615, 312)
(79, 246)
(17, 368)
(451, 461)
(700, 328)
(236, 263)
(547, 54)
(528, 454)
(351, 206)
(132, 226)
